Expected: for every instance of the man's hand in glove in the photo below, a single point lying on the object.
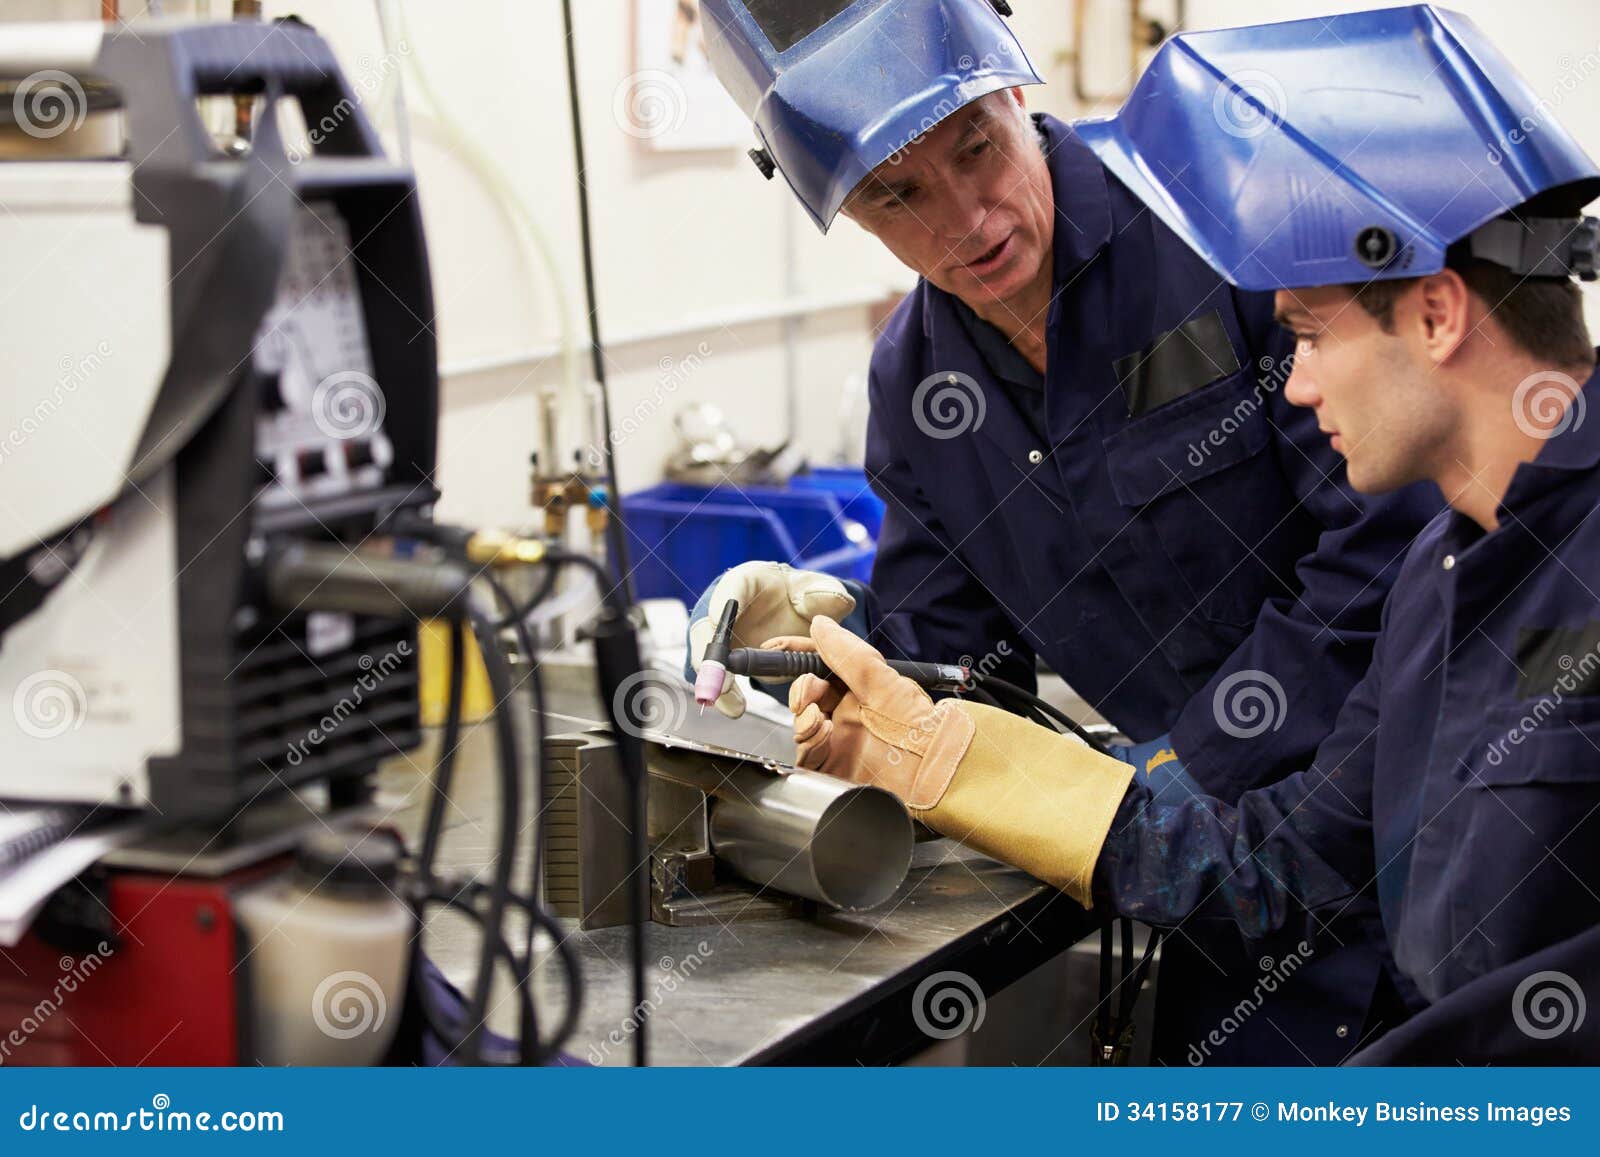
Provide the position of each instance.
(1011, 789)
(774, 599)
(871, 725)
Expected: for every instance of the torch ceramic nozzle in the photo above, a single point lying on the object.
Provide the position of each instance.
(708, 682)
(712, 674)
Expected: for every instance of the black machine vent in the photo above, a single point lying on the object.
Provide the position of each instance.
(301, 717)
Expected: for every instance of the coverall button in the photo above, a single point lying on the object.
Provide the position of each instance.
(1036, 456)
(1342, 1031)
(1449, 562)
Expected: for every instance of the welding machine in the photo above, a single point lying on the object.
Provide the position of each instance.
(272, 375)
(259, 381)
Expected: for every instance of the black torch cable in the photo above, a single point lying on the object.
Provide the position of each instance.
(616, 620)
(1020, 707)
(518, 612)
(500, 686)
(1111, 1020)
(1017, 701)
(617, 539)
(979, 695)
(456, 1038)
(518, 619)
(1141, 971)
(1103, 1010)
(1004, 690)
(1127, 968)
(616, 648)
(450, 895)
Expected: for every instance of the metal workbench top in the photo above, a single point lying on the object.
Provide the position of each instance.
(826, 987)
(822, 987)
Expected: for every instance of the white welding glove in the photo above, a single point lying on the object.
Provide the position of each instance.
(774, 600)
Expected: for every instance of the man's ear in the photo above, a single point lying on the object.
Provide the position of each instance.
(1443, 311)
(1020, 96)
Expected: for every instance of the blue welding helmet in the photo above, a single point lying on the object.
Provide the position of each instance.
(837, 87)
(1352, 148)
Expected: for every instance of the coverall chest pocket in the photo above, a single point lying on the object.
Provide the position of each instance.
(1196, 484)
(1525, 855)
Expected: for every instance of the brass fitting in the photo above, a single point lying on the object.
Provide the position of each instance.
(497, 548)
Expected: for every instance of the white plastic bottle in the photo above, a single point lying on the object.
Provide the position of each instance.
(325, 948)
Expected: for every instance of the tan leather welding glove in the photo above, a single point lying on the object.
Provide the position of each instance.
(774, 599)
(1013, 790)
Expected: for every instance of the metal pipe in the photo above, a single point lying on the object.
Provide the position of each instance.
(846, 845)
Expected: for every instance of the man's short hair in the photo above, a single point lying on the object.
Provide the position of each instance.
(1543, 316)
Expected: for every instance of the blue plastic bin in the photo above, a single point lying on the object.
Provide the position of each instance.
(849, 485)
(681, 537)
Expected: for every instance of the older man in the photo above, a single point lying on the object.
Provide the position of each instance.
(1079, 431)
(1440, 340)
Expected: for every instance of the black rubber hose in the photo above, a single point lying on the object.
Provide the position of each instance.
(979, 695)
(1012, 693)
(457, 1039)
(517, 619)
(617, 536)
(510, 815)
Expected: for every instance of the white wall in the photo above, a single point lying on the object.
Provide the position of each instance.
(690, 248)
(699, 238)
(683, 245)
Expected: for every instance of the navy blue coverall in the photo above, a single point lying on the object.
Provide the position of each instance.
(1175, 523)
(1460, 788)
